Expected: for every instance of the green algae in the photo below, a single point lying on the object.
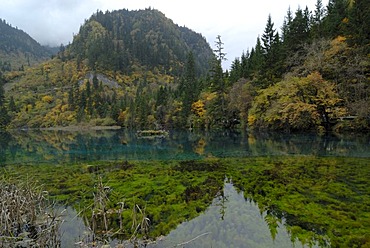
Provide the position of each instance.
(323, 201)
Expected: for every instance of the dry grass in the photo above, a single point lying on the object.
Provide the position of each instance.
(101, 234)
(27, 218)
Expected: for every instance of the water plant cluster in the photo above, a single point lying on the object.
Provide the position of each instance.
(320, 201)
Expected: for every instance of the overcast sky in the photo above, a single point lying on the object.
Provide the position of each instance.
(239, 22)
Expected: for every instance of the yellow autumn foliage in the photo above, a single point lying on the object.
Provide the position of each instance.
(296, 104)
(47, 99)
(198, 108)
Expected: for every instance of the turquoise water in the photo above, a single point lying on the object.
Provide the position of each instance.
(231, 221)
(60, 147)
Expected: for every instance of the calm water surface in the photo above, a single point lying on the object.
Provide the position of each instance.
(232, 221)
(60, 147)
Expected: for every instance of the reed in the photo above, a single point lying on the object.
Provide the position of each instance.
(101, 231)
(27, 218)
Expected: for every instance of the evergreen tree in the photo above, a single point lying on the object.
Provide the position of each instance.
(271, 51)
(2, 92)
(189, 86)
(316, 22)
(218, 82)
(162, 96)
(4, 117)
(298, 31)
(143, 111)
(98, 100)
(336, 13)
(74, 97)
(218, 85)
(71, 102)
(81, 106)
(268, 37)
(257, 62)
(95, 82)
(89, 100)
(277, 57)
(12, 107)
(236, 70)
(359, 23)
(285, 29)
(245, 64)
(319, 12)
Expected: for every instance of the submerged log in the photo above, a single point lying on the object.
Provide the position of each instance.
(152, 133)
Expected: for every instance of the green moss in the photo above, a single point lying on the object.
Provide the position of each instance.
(324, 200)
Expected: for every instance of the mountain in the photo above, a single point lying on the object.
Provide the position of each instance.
(139, 70)
(18, 49)
(122, 68)
(122, 40)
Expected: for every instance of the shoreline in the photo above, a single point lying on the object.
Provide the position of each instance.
(72, 128)
(81, 128)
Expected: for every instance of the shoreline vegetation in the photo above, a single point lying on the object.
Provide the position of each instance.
(27, 216)
(309, 76)
(140, 133)
(138, 70)
(81, 128)
(318, 199)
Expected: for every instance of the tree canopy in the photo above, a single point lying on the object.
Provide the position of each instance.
(138, 69)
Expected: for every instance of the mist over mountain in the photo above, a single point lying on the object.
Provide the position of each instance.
(18, 49)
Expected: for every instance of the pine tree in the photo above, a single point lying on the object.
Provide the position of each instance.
(256, 59)
(218, 85)
(285, 29)
(268, 37)
(319, 12)
(336, 13)
(245, 65)
(71, 102)
(299, 31)
(218, 82)
(358, 29)
(81, 106)
(12, 107)
(271, 52)
(2, 92)
(89, 100)
(236, 70)
(4, 116)
(95, 82)
(162, 96)
(189, 86)
(316, 22)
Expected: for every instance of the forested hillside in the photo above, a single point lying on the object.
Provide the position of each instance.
(137, 69)
(312, 75)
(122, 68)
(18, 49)
(121, 40)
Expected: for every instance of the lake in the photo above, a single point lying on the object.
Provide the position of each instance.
(203, 189)
(61, 147)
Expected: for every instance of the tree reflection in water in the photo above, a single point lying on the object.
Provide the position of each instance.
(263, 200)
